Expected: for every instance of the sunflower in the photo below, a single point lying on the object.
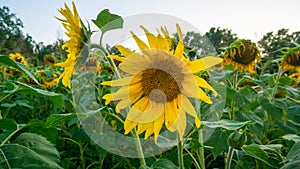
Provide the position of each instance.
(48, 59)
(291, 61)
(92, 64)
(44, 80)
(18, 58)
(159, 83)
(75, 31)
(242, 55)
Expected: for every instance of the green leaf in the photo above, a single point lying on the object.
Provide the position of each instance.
(285, 80)
(53, 97)
(107, 21)
(292, 137)
(226, 124)
(257, 151)
(272, 109)
(163, 164)
(56, 119)
(9, 62)
(294, 152)
(292, 164)
(8, 124)
(29, 151)
(218, 142)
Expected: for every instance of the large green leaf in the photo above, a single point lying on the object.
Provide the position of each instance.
(107, 21)
(259, 152)
(9, 62)
(292, 137)
(56, 119)
(53, 97)
(163, 164)
(29, 151)
(226, 124)
(294, 152)
(218, 142)
(273, 110)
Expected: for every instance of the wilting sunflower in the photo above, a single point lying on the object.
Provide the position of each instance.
(92, 64)
(48, 59)
(46, 81)
(159, 83)
(291, 61)
(18, 58)
(242, 55)
(76, 33)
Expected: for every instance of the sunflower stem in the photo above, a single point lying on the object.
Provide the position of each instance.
(229, 157)
(134, 133)
(180, 153)
(201, 149)
(139, 148)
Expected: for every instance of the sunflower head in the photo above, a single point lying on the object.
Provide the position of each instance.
(291, 61)
(158, 84)
(47, 81)
(18, 58)
(92, 64)
(243, 55)
(78, 35)
(49, 59)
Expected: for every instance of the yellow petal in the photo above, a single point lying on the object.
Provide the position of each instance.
(203, 63)
(149, 131)
(143, 127)
(133, 97)
(134, 64)
(139, 42)
(157, 125)
(116, 57)
(181, 123)
(171, 114)
(203, 83)
(188, 107)
(179, 32)
(179, 50)
(145, 111)
(151, 38)
(191, 89)
(123, 81)
(124, 51)
(129, 125)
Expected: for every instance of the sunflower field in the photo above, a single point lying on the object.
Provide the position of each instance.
(174, 101)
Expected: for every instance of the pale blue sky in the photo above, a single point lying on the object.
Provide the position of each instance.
(248, 19)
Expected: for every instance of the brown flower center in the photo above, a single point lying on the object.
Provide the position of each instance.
(245, 53)
(162, 81)
(293, 58)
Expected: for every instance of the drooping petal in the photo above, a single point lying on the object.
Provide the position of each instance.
(203, 83)
(129, 125)
(145, 111)
(116, 57)
(188, 107)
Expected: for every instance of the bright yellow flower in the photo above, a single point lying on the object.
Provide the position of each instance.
(159, 83)
(74, 45)
(243, 55)
(18, 58)
(291, 61)
(92, 64)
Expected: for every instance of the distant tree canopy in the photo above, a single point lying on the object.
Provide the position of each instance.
(212, 42)
(11, 37)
